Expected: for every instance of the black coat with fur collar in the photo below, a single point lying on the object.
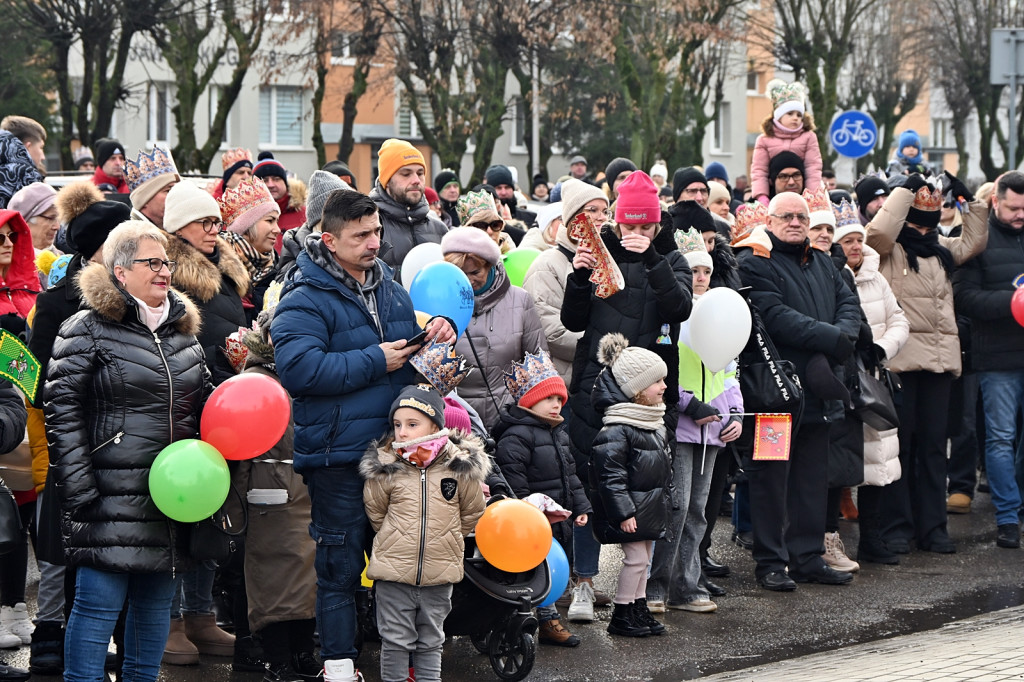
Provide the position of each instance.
(217, 289)
(116, 395)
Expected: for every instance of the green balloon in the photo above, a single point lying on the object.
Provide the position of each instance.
(517, 262)
(189, 480)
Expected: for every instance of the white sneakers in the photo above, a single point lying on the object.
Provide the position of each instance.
(696, 606)
(835, 555)
(656, 605)
(581, 610)
(341, 670)
(15, 623)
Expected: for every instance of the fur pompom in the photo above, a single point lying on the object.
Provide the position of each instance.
(609, 348)
(75, 198)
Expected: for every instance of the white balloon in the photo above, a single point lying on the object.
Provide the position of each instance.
(719, 327)
(419, 257)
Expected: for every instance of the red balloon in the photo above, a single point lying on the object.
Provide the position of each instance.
(246, 416)
(1017, 306)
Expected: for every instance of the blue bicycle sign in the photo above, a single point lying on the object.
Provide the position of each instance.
(853, 134)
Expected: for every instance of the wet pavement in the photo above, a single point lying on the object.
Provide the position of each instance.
(753, 627)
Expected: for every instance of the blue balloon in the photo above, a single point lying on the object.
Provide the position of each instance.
(443, 289)
(558, 565)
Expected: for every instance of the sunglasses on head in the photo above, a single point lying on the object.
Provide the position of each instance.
(493, 226)
(13, 236)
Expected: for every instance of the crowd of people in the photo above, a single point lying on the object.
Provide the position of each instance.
(583, 385)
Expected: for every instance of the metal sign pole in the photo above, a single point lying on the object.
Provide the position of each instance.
(1011, 163)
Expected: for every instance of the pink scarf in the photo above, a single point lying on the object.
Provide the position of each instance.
(423, 451)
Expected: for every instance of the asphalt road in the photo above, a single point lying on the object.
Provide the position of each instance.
(752, 626)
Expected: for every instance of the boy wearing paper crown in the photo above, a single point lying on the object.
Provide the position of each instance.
(423, 496)
(533, 454)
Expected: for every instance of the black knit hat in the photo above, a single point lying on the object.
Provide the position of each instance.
(87, 232)
(498, 175)
(242, 163)
(423, 398)
(868, 189)
(342, 171)
(781, 162)
(107, 147)
(443, 178)
(683, 178)
(687, 214)
(616, 166)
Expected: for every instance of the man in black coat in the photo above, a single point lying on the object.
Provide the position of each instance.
(984, 289)
(814, 320)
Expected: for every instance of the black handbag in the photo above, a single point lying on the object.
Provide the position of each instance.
(216, 538)
(872, 398)
(10, 520)
(768, 383)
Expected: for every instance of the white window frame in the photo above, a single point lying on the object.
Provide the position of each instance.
(414, 125)
(721, 129)
(514, 133)
(273, 143)
(153, 114)
(345, 58)
(757, 82)
(213, 94)
(942, 133)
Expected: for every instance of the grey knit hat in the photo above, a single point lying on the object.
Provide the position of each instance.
(575, 195)
(633, 369)
(321, 184)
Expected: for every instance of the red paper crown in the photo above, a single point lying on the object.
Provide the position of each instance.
(233, 156)
(928, 199)
(749, 216)
(818, 201)
(250, 193)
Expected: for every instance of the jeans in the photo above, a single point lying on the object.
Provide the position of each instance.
(675, 569)
(1002, 393)
(99, 596)
(339, 528)
(586, 550)
(193, 591)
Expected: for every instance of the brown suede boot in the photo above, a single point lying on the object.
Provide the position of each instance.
(178, 650)
(847, 509)
(553, 632)
(202, 631)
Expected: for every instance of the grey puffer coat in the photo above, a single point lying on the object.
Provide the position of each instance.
(116, 395)
(404, 227)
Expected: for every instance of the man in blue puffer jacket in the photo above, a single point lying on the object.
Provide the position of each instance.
(340, 335)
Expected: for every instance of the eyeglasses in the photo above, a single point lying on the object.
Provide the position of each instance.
(786, 177)
(801, 218)
(157, 264)
(493, 226)
(693, 192)
(594, 211)
(13, 236)
(211, 226)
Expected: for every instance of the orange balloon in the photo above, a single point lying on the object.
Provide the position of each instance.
(422, 319)
(513, 536)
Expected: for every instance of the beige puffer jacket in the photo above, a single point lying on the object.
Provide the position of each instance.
(926, 296)
(421, 516)
(545, 281)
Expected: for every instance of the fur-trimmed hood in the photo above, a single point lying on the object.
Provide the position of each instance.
(100, 293)
(464, 456)
(297, 192)
(199, 276)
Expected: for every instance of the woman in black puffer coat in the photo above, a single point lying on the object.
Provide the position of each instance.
(126, 378)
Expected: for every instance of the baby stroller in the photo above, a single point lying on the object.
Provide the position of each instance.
(494, 608)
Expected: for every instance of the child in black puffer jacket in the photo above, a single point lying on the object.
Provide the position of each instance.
(533, 454)
(631, 473)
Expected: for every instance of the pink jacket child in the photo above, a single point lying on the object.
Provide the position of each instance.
(789, 128)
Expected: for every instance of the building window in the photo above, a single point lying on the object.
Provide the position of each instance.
(214, 97)
(408, 126)
(942, 133)
(158, 126)
(722, 129)
(753, 82)
(519, 123)
(281, 116)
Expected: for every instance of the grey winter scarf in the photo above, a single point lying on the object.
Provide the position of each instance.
(323, 257)
(646, 417)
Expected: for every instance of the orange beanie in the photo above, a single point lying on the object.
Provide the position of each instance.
(393, 155)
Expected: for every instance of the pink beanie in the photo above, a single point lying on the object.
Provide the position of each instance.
(456, 417)
(471, 240)
(638, 200)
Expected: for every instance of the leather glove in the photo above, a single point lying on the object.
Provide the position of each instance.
(957, 188)
(844, 348)
(879, 352)
(698, 409)
(915, 182)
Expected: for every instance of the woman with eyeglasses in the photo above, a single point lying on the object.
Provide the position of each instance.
(479, 210)
(126, 379)
(251, 227)
(209, 270)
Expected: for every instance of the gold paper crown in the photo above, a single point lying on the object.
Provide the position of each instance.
(928, 199)
(473, 202)
(846, 214)
(780, 92)
(273, 295)
(749, 216)
(249, 194)
(690, 240)
(233, 156)
(528, 373)
(439, 364)
(148, 166)
(818, 201)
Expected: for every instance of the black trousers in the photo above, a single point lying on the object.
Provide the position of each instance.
(914, 507)
(965, 443)
(787, 505)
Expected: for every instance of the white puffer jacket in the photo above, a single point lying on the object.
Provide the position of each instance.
(890, 330)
